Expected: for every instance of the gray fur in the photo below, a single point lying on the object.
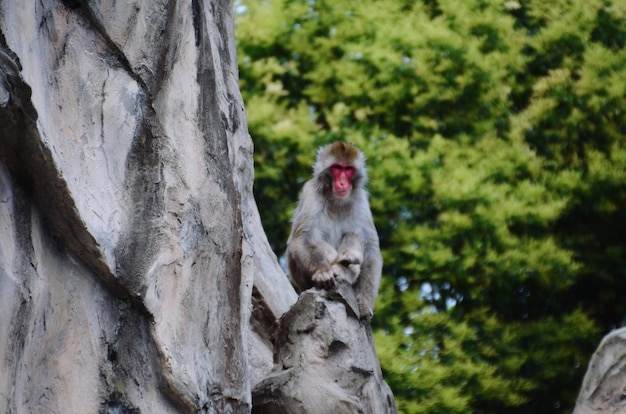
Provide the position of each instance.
(335, 238)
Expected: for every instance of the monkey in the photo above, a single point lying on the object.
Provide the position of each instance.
(333, 237)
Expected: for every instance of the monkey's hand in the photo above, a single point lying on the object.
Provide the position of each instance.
(324, 278)
(342, 272)
(349, 257)
(349, 273)
(348, 265)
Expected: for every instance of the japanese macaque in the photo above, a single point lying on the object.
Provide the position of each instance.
(333, 237)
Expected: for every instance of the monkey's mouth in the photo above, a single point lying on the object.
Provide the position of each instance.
(342, 193)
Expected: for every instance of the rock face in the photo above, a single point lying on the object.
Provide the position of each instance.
(604, 387)
(325, 361)
(135, 275)
(129, 237)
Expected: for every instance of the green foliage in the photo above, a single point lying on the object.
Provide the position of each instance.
(494, 132)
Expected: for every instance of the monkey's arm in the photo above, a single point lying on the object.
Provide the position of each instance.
(309, 256)
(310, 259)
(350, 249)
(371, 271)
(350, 257)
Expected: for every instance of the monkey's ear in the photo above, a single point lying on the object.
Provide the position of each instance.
(324, 160)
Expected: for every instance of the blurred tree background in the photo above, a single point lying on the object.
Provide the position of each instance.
(495, 135)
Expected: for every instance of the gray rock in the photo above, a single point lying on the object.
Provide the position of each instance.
(604, 386)
(325, 360)
(135, 275)
(130, 239)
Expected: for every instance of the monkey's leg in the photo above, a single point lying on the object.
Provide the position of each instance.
(310, 261)
(369, 282)
(321, 259)
(350, 257)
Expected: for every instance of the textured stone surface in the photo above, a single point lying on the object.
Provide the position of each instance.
(325, 360)
(129, 235)
(135, 275)
(604, 387)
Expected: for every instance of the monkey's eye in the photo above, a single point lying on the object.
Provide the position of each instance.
(343, 168)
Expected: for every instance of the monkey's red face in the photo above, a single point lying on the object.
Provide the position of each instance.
(342, 179)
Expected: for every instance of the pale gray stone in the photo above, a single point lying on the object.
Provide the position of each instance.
(325, 361)
(604, 386)
(135, 275)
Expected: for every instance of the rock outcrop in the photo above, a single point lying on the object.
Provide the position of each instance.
(325, 360)
(604, 387)
(129, 236)
(135, 275)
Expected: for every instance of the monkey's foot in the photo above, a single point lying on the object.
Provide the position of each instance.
(347, 273)
(365, 310)
(324, 279)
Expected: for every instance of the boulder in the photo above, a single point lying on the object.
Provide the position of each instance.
(325, 361)
(604, 386)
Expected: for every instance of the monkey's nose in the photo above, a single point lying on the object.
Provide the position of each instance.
(342, 184)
